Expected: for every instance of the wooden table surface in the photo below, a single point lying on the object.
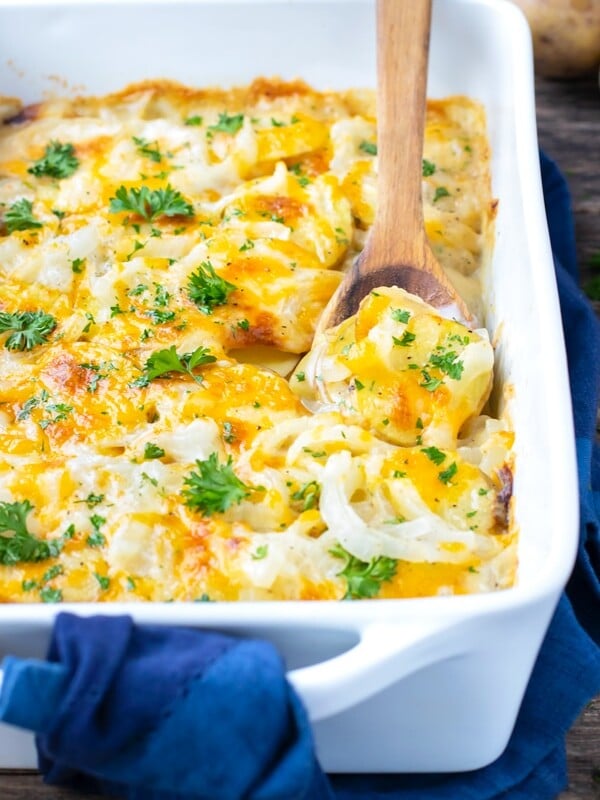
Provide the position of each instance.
(569, 132)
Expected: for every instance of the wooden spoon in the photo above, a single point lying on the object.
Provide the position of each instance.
(397, 252)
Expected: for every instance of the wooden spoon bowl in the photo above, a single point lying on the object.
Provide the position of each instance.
(397, 252)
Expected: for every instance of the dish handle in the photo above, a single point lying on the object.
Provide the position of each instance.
(385, 654)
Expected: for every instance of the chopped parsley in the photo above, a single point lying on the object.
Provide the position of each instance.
(159, 316)
(315, 453)
(58, 413)
(300, 377)
(19, 217)
(151, 203)
(308, 495)
(447, 475)
(243, 324)
(137, 245)
(92, 500)
(103, 581)
(152, 450)
(261, 552)
(194, 121)
(59, 161)
(433, 454)
(207, 290)
(52, 573)
(228, 433)
(96, 538)
(429, 383)
(77, 265)
(364, 578)
(248, 245)
(228, 123)
(440, 192)
(370, 148)
(405, 340)
(428, 168)
(214, 487)
(302, 179)
(400, 315)
(137, 290)
(146, 149)
(90, 321)
(50, 595)
(32, 403)
(29, 328)
(341, 237)
(96, 374)
(447, 361)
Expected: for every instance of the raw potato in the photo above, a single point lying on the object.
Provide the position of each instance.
(566, 35)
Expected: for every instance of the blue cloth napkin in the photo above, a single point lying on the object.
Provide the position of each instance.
(172, 714)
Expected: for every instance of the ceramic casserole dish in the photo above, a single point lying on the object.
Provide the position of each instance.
(414, 685)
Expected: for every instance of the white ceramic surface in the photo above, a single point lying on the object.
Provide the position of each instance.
(393, 685)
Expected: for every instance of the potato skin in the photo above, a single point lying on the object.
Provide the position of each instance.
(566, 35)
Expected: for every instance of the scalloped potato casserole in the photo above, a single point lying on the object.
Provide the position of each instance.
(170, 426)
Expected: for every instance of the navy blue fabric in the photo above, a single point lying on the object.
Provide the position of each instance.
(172, 714)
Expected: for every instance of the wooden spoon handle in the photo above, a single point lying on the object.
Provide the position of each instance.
(402, 46)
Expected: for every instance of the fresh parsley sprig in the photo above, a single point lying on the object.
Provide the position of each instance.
(19, 217)
(29, 328)
(163, 362)
(59, 161)
(206, 289)
(23, 546)
(214, 487)
(364, 578)
(151, 203)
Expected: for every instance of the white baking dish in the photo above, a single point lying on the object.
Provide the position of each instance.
(392, 685)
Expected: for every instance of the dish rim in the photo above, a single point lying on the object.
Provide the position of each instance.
(558, 565)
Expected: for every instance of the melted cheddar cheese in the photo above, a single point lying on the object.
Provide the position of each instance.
(165, 255)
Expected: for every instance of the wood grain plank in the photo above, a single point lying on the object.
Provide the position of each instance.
(568, 116)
